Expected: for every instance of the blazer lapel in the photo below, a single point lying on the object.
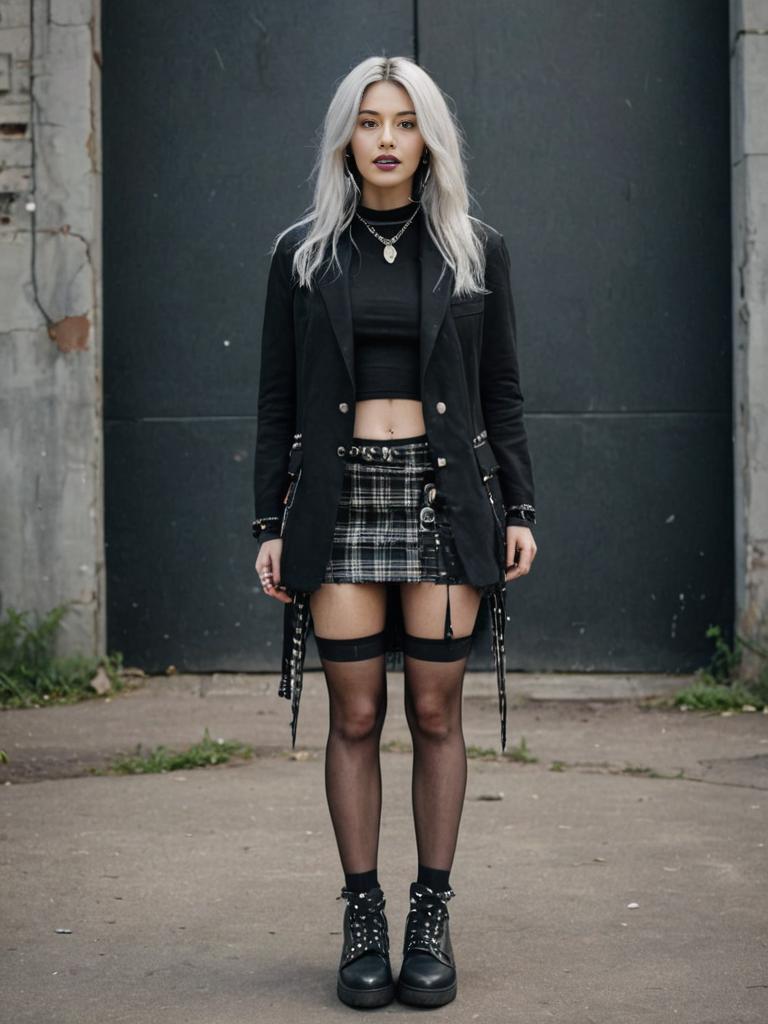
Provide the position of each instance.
(335, 291)
(434, 301)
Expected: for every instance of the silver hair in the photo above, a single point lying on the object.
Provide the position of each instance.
(445, 197)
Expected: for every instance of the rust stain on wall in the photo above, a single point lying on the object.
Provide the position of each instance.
(71, 333)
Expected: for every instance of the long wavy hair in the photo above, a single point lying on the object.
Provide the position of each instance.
(442, 185)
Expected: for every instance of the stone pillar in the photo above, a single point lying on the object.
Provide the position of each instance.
(51, 512)
(749, 160)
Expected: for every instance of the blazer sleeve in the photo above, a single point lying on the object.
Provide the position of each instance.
(277, 397)
(500, 389)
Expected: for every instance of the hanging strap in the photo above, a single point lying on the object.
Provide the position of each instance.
(448, 630)
(497, 607)
(295, 626)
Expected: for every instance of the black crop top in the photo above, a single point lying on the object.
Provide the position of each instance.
(386, 305)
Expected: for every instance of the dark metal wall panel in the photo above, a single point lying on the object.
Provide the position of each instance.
(599, 134)
(180, 589)
(637, 550)
(210, 115)
(599, 146)
(599, 140)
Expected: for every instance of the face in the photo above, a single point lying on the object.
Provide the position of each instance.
(386, 127)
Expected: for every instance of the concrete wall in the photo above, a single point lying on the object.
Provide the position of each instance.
(51, 486)
(749, 150)
(51, 512)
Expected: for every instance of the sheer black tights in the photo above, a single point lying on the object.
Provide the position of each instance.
(348, 624)
(358, 704)
(433, 693)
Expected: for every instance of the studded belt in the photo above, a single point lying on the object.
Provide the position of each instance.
(381, 452)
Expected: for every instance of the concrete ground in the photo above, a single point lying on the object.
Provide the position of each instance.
(618, 878)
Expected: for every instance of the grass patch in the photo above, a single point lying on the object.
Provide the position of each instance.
(650, 773)
(636, 769)
(31, 675)
(480, 753)
(201, 755)
(396, 747)
(520, 753)
(719, 686)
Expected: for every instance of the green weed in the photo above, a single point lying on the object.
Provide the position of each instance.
(520, 752)
(207, 752)
(31, 675)
(719, 686)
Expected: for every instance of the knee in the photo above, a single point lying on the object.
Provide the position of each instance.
(357, 723)
(430, 719)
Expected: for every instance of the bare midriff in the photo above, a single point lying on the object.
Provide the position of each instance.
(387, 419)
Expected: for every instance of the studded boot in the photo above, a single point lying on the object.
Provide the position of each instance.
(365, 975)
(428, 973)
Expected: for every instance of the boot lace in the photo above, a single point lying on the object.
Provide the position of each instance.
(367, 930)
(426, 921)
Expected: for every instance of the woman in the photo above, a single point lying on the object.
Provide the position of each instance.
(393, 484)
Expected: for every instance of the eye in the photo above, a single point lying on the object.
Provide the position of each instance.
(366, 121)
(412, 123)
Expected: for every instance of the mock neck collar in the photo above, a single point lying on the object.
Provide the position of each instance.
(396, 213)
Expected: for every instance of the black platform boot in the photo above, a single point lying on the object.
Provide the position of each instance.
(428, 973)
(365, 975)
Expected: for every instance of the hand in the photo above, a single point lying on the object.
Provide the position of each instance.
(521, 551)
(268, 568)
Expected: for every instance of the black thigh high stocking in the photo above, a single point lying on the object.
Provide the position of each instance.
(356, 677)
(434, 676)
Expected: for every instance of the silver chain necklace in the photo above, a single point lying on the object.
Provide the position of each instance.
(390, 252)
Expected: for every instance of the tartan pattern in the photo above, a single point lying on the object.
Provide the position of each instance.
(379, 536)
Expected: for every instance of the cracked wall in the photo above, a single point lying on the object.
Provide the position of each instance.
(51, 467)
(51, 514)
(749, 157)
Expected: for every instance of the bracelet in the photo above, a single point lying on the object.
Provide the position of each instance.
(525, 512)
(259, 525)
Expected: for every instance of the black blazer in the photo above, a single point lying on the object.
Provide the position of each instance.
(472, 407)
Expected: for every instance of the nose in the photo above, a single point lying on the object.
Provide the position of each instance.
(386, 135)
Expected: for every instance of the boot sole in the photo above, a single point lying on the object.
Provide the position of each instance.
(426, 996)
(366, 997)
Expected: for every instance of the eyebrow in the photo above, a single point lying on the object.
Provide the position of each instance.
(398, 114)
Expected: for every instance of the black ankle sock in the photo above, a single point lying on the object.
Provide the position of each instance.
(435, 878)
(362, 881)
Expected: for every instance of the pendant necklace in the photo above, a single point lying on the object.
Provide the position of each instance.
(390, 252)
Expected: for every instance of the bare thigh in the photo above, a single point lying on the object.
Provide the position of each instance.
(344, 611)
(424, 608)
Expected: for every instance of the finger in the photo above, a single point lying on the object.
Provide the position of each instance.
(519, 555)
(266, 575)
(525, 557)
(275, 568)
(511, 571)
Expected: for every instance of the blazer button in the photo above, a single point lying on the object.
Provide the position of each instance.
(440, 407)
(441, 461)
(343, 407)
(341, 450)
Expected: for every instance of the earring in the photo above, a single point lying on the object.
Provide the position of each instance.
(348, 172)
(425, 161)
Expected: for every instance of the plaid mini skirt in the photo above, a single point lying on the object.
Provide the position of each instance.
(392, 523)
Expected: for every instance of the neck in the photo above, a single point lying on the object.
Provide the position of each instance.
(374, 198)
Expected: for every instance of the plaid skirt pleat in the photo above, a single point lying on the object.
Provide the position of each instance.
(391, 524)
